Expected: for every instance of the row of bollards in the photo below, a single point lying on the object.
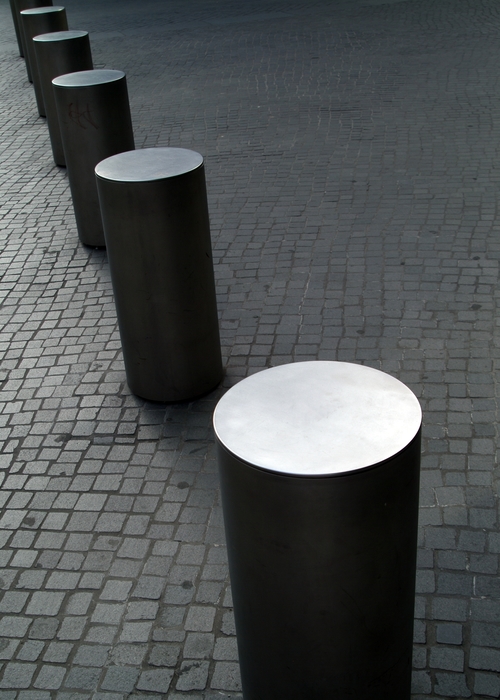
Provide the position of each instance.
(319, 461)
(151, 212)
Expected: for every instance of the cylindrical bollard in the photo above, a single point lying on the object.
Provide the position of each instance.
(17, 6)
(94, 118)
(58, 53)
(319, 470)
(155, 215)
(40, 20)
(15, 19)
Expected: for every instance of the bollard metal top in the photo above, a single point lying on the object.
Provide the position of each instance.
(88, 78)
(60, 36)
(148, 164)
(317, 418)
(42, 10)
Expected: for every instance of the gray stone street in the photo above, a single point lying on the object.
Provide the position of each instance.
(352, 157)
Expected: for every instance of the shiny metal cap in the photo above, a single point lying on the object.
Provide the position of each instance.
(317, 418)
(148, 164)
(60, 36)
(42, 10)
(87, 78)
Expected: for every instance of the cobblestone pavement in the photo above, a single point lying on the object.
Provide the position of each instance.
(351, 151)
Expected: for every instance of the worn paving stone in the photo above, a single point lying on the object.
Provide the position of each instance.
(350, 152)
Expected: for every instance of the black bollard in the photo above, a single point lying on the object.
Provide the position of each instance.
(17, 6)
(155, 216)
(94, 118)
(58, 53)
(15, 19)
(40, 20)
(319, 472)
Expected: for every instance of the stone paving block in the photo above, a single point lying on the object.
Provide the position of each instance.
(62, 581)
(228, 627)
(100, 634)
(449, 634)
(97, 561)
(70, 561)
(57, 652)
(199, 645)
(133, 548)
(44, 628)
(125, 568)
(226, 649)
(449, 609)
(13, 601)
(11, 626)
(447, 659)
(8, 648)
(485, 610)
(483, 563)
(484, 659)
(120, 679)
(108, 613)
(142, 610)
(200, 618)
(78, 604)
(91, 655)
(451, 685)
(226, 676)
(136, 631)
(71, 628)
(209, 591)
(136, 525)
(486, 684)
(156, 680)
(150, 587)
(110, 522)
(164, 655)
(179, 595)
(30, 650)
(116, 590)
(50, 677)
(17, 675)
(82, 678)
(131, 654)
(193, 675)
(419, 632)
(485, 635)
(45, 603)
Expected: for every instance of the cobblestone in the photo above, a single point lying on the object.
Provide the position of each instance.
(350, 153)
